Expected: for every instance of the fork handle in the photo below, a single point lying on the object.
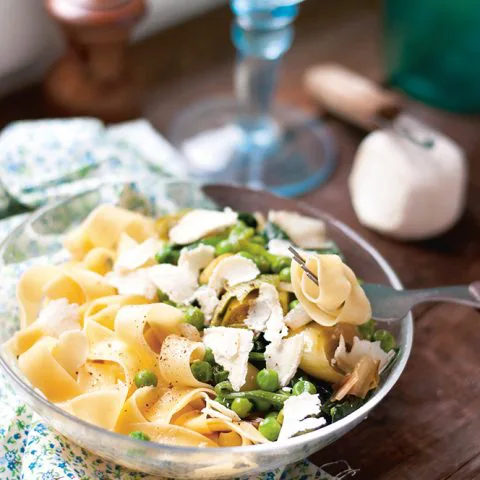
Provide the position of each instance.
(463, 294)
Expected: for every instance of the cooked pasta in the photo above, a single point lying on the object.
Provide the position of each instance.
(196, 328)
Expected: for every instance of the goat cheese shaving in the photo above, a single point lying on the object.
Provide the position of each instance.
(346, 361)
(266, 314)
(179, 283)
(230, 347)
(197, 258)
(296, 409)
(59, 316)
(199, 223)
(137, 256)
(231, 271)
(306, 232)
(137, 282)
(215, 409)
(279, 247)
(297, 318)
(208, 301)
(284, 357)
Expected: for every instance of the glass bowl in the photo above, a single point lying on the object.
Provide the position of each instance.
(39, 240)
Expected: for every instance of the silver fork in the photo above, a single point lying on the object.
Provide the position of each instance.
(389, 304)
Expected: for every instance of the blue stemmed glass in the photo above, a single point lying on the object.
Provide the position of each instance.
(247, 139)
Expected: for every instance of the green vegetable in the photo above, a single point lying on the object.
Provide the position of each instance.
(223, 401)
(304, 386)
(280, 417)
(276, 399)
(223, 247)
(242, 407)
(223, 388)
(208, 357)
(248, 219)
(267, 380)
(240, 234)
(279, 263)
(270, 428)
(162, 297)
(213, 240)
(367, 329)
(139, 436)
(262, 263)
(339, 410)
(169, 302)
(168, 254)
(194, 316)
(202, 371)
(256, 356)
(285, 275)
(145, 378)
(219, 374)
(387, 342)
(272, 231)
(293, 304)
(262, 405)
(258, 239)
(272, 415)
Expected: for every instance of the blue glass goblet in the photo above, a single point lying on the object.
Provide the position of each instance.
(247, 139)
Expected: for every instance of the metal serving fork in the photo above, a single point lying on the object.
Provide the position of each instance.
(389, 304)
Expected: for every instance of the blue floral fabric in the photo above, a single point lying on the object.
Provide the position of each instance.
(43, 161)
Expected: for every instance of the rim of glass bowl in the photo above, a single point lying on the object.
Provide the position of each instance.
(359, 414)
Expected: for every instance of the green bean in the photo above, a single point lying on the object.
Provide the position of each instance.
(223, 388)
(276, 399)
(225, 246)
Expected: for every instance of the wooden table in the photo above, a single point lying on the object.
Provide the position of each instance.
(429, 425)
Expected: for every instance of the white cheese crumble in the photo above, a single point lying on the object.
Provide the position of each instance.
(208, 301)
(59, 316)
(196, 258)
(297, 317)
(137, 282)
(230, 347)
(198, 223)
(279, 247)
(215, 409)
(231, 271)
(296, 409)
(266, 314)
(137, 256)
(346, 361)
(284, 357)
(179, 283)
(305, 232)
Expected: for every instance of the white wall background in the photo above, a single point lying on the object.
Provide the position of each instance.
(29, 40)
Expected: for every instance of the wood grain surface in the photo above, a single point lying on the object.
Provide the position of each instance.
(429, 425)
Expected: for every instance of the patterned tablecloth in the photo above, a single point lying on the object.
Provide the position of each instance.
(43, 161)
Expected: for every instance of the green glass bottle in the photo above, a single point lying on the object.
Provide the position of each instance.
(432, 50)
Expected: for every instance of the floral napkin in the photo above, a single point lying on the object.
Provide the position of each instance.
(43, 161)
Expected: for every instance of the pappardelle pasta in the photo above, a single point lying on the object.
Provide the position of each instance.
(197, 329)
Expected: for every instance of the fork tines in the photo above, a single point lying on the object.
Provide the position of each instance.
(299, 259)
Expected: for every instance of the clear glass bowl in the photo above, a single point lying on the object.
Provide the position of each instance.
(39, 240)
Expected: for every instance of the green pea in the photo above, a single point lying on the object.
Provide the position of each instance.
(258, 239)
(145, 378)
(208, 357)
(387, 342)
(194, 316)
(303, 386)
(293, 304)
(270, 428)
(139, 436)
(167, 255)
(202, 371)
(272, 415)
(242, 407)
(279, 263)
(223, 388)
(162, 296)
(262, 405)
(248, 219)
(267, 380)
(285, 275)
(225, 246)
(367, 329)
